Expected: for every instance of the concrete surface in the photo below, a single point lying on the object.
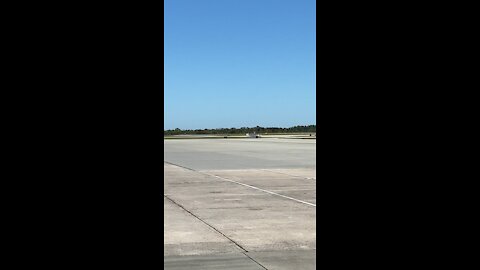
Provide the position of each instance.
(224, 154)
(240, 204)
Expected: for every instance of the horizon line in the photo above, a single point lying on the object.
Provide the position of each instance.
(240, 127)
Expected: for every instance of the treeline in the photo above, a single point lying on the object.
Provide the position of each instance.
(242, 130)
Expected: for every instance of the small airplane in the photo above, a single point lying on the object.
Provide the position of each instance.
(252, 135)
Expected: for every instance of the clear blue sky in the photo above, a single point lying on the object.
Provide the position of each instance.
(239, 63)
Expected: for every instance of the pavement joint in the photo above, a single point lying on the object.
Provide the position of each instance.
(255, 261)
(245, 185)
(223, 207)
(206, 223)
(307, 178)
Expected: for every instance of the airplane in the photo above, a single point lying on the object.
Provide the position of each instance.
(252, 135)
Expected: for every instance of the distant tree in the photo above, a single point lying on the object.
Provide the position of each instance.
(243, 130)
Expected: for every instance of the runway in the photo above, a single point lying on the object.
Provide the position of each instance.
(240, 204)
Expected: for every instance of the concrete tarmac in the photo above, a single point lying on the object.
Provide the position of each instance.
(240, 204)
(225, 154)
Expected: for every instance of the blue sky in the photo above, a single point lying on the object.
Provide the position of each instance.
(239, 63)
